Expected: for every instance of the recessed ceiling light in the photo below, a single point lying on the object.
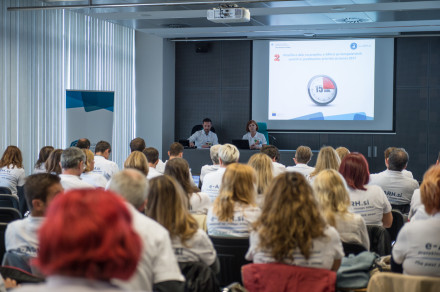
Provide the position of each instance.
(338, 8)
(352, 20)
(309, 34)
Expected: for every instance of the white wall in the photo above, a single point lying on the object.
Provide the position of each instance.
(155, 67)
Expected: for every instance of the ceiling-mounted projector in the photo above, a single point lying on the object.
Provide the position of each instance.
(229, 14)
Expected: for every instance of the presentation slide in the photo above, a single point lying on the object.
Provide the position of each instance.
(321, 80)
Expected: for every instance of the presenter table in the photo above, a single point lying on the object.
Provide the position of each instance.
(199, 157)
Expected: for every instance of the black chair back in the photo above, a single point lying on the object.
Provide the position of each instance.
(198, 277)
(2, 240)
(9, 201)
(380, 241)
(398, 223)
(5, 190)
(353, 248)
(200, 127)
(9, 214)
(230, 252)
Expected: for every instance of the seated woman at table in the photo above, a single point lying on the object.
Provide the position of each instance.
(256, 139)
(291, 229)
(417, 246)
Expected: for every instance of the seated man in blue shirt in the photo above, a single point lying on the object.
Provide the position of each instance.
(204, 138)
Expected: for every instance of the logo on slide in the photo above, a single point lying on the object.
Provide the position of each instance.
(322, 89)
(353, 46)
(277, 58)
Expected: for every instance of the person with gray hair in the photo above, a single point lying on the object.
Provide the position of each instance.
(72, 165)
(227, 154)
(157, 269)
(213, 152)
(398, 187)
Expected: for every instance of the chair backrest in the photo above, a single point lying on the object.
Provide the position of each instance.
(5, 190)
(200, 127)
(9, 201)
(262, 128)
(284, 278)
(380, 241)
(9, 214)
(198, 277)
(353, 248)
(2, 240)
(230, 252)
(394, 282)
(398, 223)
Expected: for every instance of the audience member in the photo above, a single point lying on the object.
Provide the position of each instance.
(137, 144)
(11, 170)
(291, 229)
(40, 166)
(103, 165)
(53, 162)
(263, 167)
(256, 140)
(418, 242)
(334, 201)
(213, 152)
(303, 155)
(175, 151)
(152, 156)
(166, 204)
(367, 200)
(83, 143)
(204, 138)
(327, 159)
(73, 164)
(86, 241)
(398, 187)
(158, 265)
(195, 201)
(95, 179)
(342, 151)
(234, 209)
(137, 160)
(274, 155)
(387, 155)
(227, 154)
(21, 235)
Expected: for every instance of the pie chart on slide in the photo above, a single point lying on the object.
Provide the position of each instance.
(322, 89)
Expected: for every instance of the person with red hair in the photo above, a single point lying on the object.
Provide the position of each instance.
(86, 240)
(367, 200)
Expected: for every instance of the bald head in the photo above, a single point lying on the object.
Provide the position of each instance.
(132, 185)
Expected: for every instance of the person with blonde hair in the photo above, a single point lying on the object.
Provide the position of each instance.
(417, 244)
(137, 160)
(11, 170)
(291, 229)
(195, 200)
(333, 197)
(264, 169)
(234, 209)
(327, 159)
(342, 151)
(303, 154)
(53, 162)
(95, 179)
(167, 205)
(213, 153)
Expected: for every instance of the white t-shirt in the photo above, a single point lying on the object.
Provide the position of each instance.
(371, 204)
(352, 229)
(157, 263)
(200, 138)
(418, 247)
(56, 283)
(21, 236)
(69, 181)
(257, 138)
(240, 226)
(325, 250)
(200, 202)
(152, 173)
(160, 166)
(302, 168)
(278, 168)
(12, 178)
(397, 187)
(212, 183)
(95, 179)
(208, 169)
(105, 167)
(197, 248)
(41, 169)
